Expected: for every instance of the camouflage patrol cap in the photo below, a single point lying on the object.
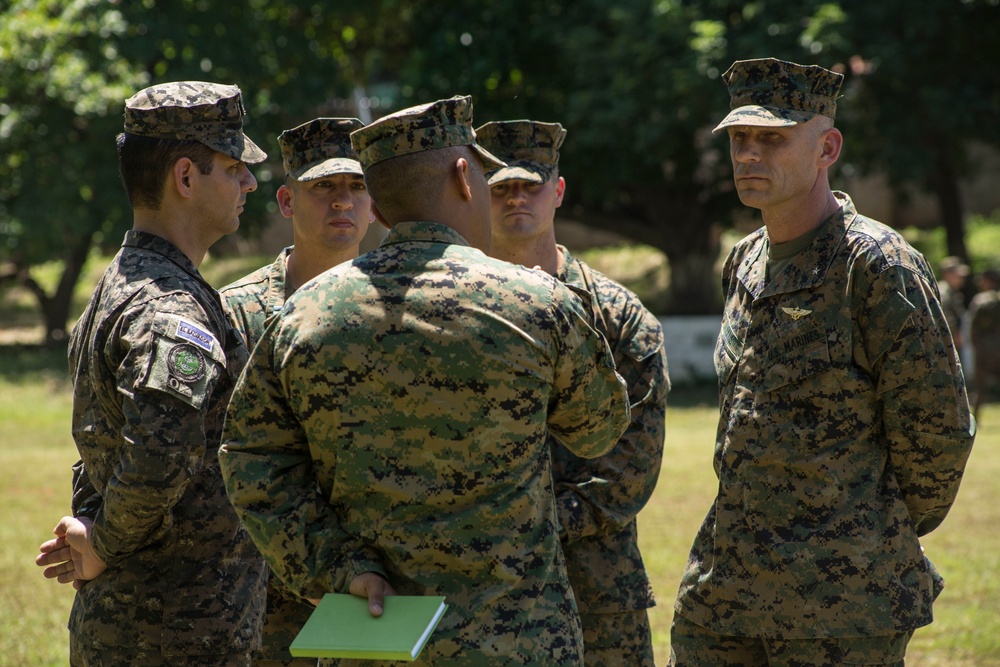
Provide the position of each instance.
(776, 93)
(321, 147)
(209, 113)
(530, 149)
(438, 124)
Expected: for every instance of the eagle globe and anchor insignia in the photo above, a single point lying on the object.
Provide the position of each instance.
(186, 364)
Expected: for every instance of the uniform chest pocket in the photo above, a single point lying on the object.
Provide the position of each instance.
(793, 357)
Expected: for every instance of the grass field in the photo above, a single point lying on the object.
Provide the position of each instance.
(36, 452)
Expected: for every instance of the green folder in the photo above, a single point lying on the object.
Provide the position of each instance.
(342, 627)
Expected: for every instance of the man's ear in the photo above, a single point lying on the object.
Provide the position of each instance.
(182, 174)
(832, 141)
(377, 214)
(284, 197)
(560, 191)
(461, 175)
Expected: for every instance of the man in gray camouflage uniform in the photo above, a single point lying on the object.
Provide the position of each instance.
(597, 499)
(845, 425)
(389, 434)
(325, 196)
(165, 574)
(984, 332)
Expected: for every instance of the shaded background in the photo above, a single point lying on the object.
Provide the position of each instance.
(636, 82)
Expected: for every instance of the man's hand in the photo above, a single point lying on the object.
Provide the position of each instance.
(374, 587)
(70, 557)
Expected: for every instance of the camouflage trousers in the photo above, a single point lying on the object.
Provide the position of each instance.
(283, 618)
(694, 646)
(81, 655)
(617, 640)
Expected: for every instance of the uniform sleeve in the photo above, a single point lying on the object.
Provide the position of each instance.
(925, 408)
(169, 364)
(603, 495)
(268, 472)
(588, 409)
(86, 500)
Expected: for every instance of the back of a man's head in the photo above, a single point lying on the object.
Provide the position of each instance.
(408, 156)
(412, 187)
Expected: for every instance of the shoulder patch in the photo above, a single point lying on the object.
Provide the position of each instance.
(195, 334)
(186, 363)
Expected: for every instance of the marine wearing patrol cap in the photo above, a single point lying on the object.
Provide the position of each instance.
(530, 149)
(438, 124)
(209, 113)
(776, 93)
(320, 148)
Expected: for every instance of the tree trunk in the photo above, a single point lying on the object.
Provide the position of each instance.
(55, 308)
(694, 287)
(944, 183)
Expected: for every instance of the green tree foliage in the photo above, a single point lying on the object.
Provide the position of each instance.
(62, 83)
(637, 83)
(67, 67)
(925, 88)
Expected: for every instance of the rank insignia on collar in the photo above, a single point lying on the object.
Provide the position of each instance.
(796, 313)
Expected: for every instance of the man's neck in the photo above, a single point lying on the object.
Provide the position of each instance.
(540, 251)
(788, 222)
(159, 223)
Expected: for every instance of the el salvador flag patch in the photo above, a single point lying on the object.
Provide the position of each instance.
(195, 334)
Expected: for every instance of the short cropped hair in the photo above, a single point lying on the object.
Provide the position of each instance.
(144, 163)
(405, 185)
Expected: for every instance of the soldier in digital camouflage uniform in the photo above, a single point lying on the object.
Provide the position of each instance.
(389, 434)
(165, 573)
(325, 196)
(844, 427)
(984, 332)
(954, 272)
(597, 499)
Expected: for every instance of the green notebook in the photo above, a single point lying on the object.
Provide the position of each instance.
(342, 627)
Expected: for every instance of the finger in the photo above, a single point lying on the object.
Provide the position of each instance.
(67, 577)
(52, 545)
(63, 525)
(376, 603)
(58, 571)
(53, 557)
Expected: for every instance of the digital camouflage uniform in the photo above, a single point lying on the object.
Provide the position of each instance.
(249, 302)
(316, 149)
(415, 388)
(153, 361)
(253, 298)
(843, 435)
(984, 332)
(598, 499)
(953, 300)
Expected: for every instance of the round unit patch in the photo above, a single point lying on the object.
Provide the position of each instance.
(186, 363)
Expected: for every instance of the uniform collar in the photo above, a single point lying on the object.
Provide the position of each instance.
(427, 232)
(807, 269)
(153, 243)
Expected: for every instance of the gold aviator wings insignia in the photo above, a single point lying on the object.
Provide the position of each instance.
(796, 313)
